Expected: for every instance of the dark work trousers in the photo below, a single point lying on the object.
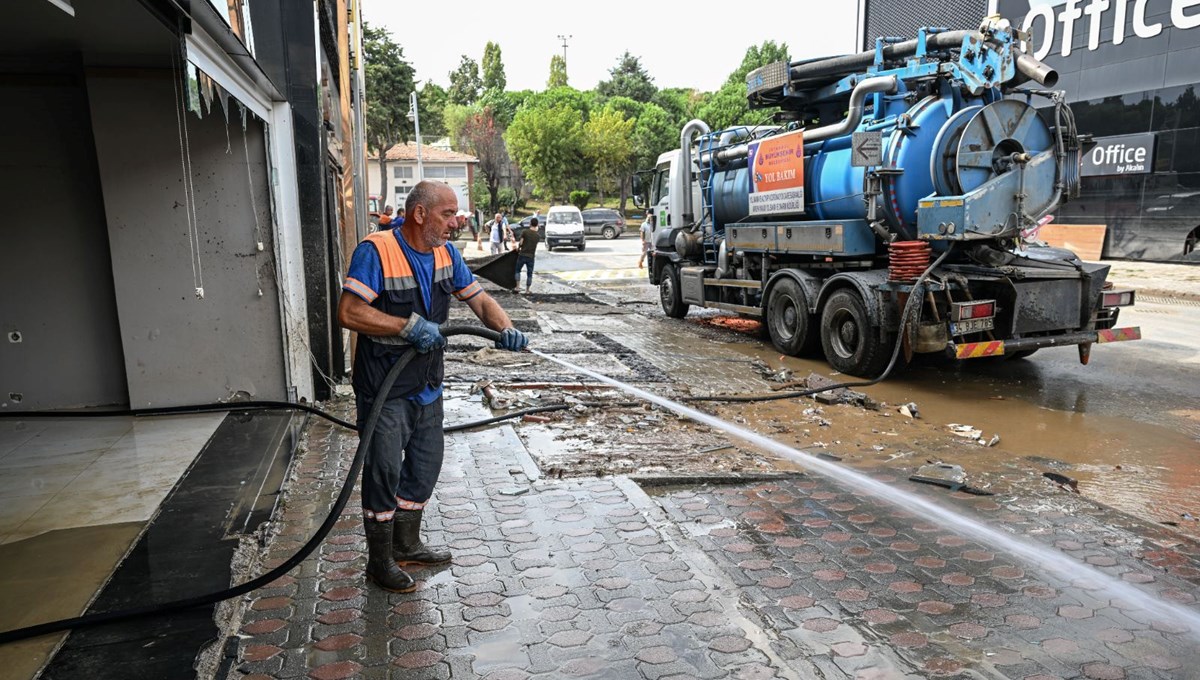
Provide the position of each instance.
(527, 262)
(404, 458)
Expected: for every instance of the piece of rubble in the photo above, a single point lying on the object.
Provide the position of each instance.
(839, 396)
(910, 410)
(993, 441)
(533, 418)
(965, 431)
(1062, 481)
(942, 472)
(952, 477)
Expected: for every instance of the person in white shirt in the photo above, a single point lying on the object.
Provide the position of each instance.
(500, 233)
(647, 239)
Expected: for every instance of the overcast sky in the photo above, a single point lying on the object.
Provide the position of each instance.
(666, 35)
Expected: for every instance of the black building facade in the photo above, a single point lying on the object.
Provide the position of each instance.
(1130, 69)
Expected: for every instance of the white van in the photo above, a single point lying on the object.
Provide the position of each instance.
(564, 227)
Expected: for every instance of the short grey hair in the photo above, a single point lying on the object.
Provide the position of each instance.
(425, 193)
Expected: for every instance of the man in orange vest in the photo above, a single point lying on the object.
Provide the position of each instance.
(396, 295)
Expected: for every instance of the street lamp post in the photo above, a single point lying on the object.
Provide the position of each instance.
(415, 116)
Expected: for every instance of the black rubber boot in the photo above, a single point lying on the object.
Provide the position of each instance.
(381, 568)
(407, 548)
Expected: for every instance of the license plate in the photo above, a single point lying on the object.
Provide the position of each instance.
(972, 326)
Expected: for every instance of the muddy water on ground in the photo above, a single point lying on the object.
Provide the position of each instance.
(1146, 466)
(50, 577)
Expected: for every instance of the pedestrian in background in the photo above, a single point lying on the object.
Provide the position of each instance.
(385, 219)
(647, 240)
(500, 233)
(526, 248)
(474, 223)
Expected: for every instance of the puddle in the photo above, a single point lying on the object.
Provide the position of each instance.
(50, 577)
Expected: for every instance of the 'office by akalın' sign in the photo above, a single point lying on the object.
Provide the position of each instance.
(1120, 155)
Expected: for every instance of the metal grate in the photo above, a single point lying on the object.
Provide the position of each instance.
(902, 18)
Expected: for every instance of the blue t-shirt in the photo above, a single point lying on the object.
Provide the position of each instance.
(365, 279)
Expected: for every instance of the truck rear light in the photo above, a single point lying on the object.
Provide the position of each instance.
(964, 311)
(1117, 298)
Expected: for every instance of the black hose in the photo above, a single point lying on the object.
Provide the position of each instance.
(335, 512)
(356, 465)
(905, 319)
(183, 410)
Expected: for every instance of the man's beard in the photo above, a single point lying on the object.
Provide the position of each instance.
(435, 240)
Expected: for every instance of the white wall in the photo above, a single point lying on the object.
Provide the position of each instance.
(56, 284)
(179, 349)
(388, 197)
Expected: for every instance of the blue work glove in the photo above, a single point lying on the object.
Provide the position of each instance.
(512, 340)
(422, 334)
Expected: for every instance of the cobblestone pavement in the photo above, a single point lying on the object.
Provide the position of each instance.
(788, 579)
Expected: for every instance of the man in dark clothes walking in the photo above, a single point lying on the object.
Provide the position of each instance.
(526, 247)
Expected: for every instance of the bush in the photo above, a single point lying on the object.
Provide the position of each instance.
(579, 199)
(480, 196)
(507, 198)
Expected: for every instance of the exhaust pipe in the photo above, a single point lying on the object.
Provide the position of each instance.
(685, 143)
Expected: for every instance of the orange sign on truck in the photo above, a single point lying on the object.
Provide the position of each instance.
(777, 174)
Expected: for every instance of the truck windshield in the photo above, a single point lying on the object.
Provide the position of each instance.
(563, 218)
(662, 184)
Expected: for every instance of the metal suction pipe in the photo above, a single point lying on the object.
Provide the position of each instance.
(685, 143)
(854, 116)
(1036, 70)
(855, 63)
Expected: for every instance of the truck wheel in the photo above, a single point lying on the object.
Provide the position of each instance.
(669, 294)
(788, 321)
(848, 337)
(609, 232)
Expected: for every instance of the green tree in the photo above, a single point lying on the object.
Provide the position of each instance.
(493, 69)
(653, 134)
(558, 72)
(454, 118)
(389, 80)
(608, 143)
(564, 96)
(503, 107)
(680, 104)
(628, 79)
(728, 106)
(546, 143)
(432, 101)
(465, 83)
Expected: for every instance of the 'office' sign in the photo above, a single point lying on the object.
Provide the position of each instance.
(1120, 155)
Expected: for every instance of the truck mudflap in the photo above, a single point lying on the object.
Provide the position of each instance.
(992, 348)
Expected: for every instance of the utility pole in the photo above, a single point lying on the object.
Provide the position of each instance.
(415, 116)
(564, 39)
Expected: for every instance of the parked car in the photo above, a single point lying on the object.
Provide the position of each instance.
(603, 221)
(518, 227)
(564, 227)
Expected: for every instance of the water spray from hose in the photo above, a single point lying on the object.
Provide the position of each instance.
(1029, 552)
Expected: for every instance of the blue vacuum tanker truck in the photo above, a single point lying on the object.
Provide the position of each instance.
(893, 203)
